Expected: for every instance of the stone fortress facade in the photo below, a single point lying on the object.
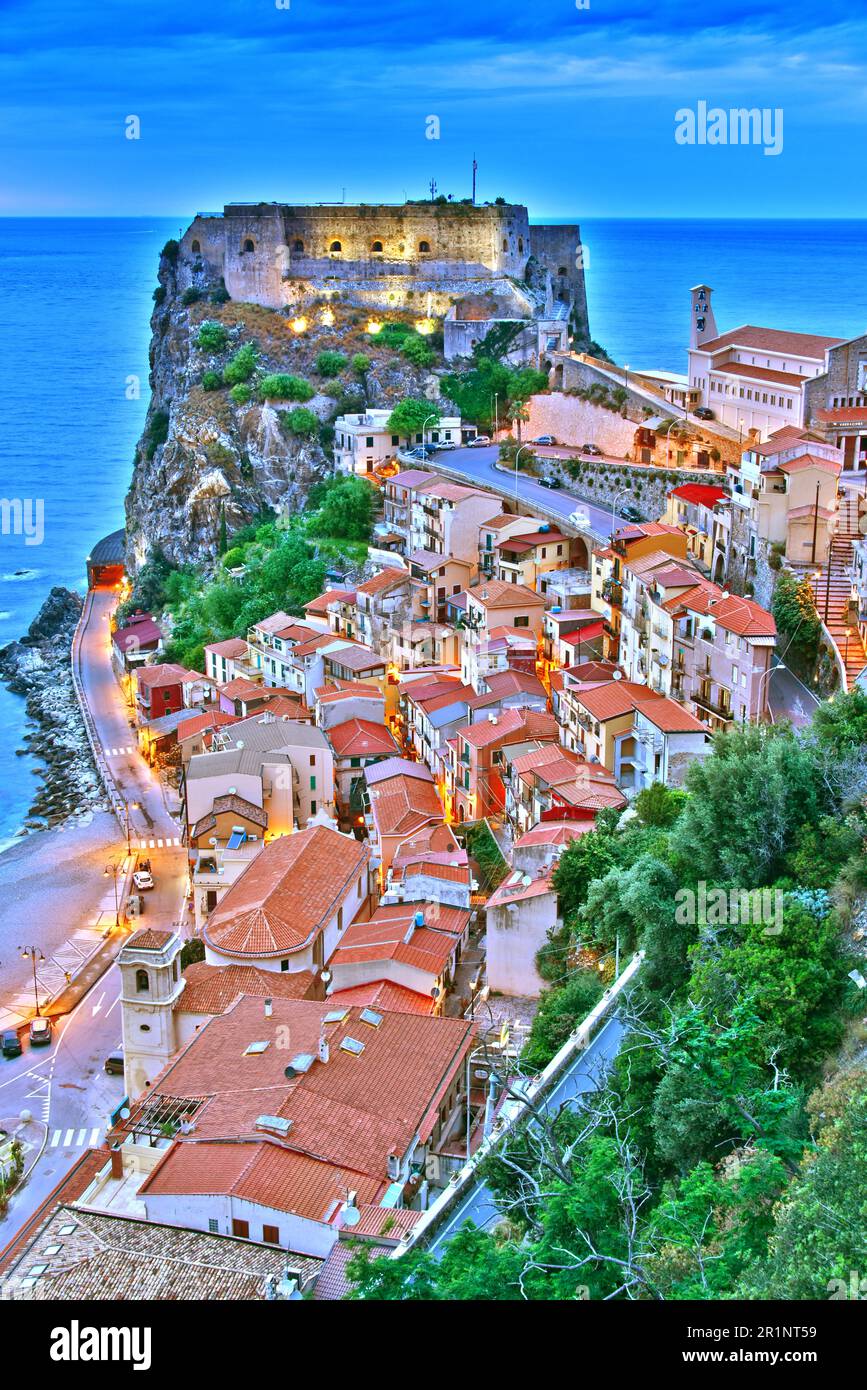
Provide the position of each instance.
(425, 256)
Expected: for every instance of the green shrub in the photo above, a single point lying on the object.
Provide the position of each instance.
(300, 421)
(160, 294)
(220, 295)
(157, 432)
(211, 381)
(241, 393)
(191, 296)
(234, 557)
(330, 363)
(171, 249)
(360, 363)
(282, 386)
(416, 351)
(213, 337)
(242, 365)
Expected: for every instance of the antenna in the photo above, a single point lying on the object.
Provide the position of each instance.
(433, 189)
(475, 169)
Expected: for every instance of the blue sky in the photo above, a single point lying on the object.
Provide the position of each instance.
(569, 110)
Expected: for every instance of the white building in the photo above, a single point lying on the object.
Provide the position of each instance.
(363, 443)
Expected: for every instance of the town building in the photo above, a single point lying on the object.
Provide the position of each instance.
(363, 442)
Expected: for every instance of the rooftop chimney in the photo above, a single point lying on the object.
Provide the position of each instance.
(324, 1051)
(269, 1008)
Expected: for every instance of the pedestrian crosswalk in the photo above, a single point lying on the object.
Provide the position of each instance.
(119, 752)
(167, 843)
(75, 1138)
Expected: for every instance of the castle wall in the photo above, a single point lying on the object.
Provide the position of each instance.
(559, 250)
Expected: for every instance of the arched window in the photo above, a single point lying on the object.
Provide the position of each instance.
(248, 245)
(298, 246)
(195, 247)
(142, 982)
(562, 270)
(424, 247)
(335, 246)
(521, 245)
(505, 244)
(376, 246)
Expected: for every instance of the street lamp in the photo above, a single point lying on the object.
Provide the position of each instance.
(33, 953)
(621, 492)
(129, 806)
(519, 451)
(496, 417)
(766, 676)
(114, 870)
(424, 427)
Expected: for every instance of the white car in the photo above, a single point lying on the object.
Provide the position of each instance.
(480, 442)
(143, 880)
(580, 517)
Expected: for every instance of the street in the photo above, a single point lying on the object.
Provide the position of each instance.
(479, 466)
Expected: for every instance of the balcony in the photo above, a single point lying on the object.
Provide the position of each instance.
(722, 712)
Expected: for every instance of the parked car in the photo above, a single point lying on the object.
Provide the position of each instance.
(546, 439)
(549, 482)
(143, 879)
(40, 1031)
(114, 1063)
(481, 441)
(580, 517)
(445, 444)
(592, 449)
(629, 513)
(421, 452)
(10, 1043)
(703, 412)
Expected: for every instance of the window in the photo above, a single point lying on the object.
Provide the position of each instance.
(395, 439)
(213, 1225)
(424, 247)
(195, 247)
(312, 759)
(284, 965)
(521, 622)
(313, 784)
(376, 247)
(355, 762)
(142, 982)
(297, 246)
(271, 1235)
(240, 1228)
(249, 246)
(368, 443)
(505, 244)
(313, 808)
(335, 246)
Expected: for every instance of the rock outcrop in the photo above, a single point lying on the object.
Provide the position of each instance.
(205, 456)
(38, 667)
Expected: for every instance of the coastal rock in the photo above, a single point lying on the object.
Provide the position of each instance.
(39, 668)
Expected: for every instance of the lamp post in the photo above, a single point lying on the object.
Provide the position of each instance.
(129, 807)
(519, 451)
(815, 525)
(424, 427)
(113, 869)
(766, 676)
(496, 417)
(621, 492)
(33, 953)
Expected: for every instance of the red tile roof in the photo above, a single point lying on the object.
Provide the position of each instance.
(402, 801)
(497, 593)
(144, 633)
(360, 738)
(772, 340)
(233, 646)
(211, 989)
(198, 723)
(149, 939)
(166, 674)
(320, 605)
(531, 723)
(391, 934)
(702, 493)
(383, 994)
(287, 894)
(385, 579)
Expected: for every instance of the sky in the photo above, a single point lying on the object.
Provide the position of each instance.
(570, 110)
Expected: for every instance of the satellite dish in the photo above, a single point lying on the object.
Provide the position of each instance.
(351, 1216)
(289, 1073)
(124, 1114)
(240, 743)
(617, 675)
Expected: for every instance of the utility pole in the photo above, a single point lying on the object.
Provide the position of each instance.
(475, 169)
(815, 523)
(34, 954)
(433, 189)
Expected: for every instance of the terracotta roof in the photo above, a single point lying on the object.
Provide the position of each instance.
(391, 935)
(412, 477)
(504, 683)
(144, 633)
(335, 691)
(346, 1114)
(239, 687)
(287, 893)
(356, 658)
(560, 832)
(514, 889)
(320, 605)
(149, 939)
(386, 579)
(233, 646)
(437, 838)
(166, 674)
(394, 767)
(751, 373)
(858, 414)
(274, 622)
(532, 723)
(361, 738)
(383, 994)
(772, 340)
(239, 805)
(210, 989)
(497, 593)
(198, 723)
(295, 632)
(590, 671)
(703, 493)
(795, 465)
(614, 699)
(734, 614)
(401, 803)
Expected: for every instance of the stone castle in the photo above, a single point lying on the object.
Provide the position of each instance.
(430, 257)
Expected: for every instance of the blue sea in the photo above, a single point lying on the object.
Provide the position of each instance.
(75, 304)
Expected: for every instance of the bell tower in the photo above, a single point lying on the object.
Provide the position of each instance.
(703, 324)
(151, 982)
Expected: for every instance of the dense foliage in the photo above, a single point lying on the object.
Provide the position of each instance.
(711, 1160)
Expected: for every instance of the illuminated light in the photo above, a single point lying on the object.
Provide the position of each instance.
(425, 326)
(374, 327)
(327, 317)
(299, 325)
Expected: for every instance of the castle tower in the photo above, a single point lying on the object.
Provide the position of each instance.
(151, 982)
(702, 327)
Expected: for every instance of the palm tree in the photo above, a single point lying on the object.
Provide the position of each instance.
(518, 414)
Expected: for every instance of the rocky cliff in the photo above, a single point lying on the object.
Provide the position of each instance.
(204, 454)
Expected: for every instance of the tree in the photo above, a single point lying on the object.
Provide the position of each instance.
(842, 724)
(361, 364)
(588, 857)
(346, 511)
(412, 415)
(213, 336)
(659, 805)
(745, 803)
(242, 366)
(794, 611)
(283, 386)
(300, 420)
(329, 364)
(558, 1015)
(518, 414)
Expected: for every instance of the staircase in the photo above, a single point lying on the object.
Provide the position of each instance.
(836, 587)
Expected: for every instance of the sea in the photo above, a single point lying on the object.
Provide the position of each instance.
(75, 305)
